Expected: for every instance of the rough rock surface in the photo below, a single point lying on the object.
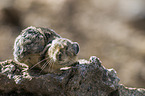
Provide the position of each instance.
(87, 78)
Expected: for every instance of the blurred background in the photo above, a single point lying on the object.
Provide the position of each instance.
(113, 30)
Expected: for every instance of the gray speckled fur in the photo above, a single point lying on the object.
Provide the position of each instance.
(32, 40)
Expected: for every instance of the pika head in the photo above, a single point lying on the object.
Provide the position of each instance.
(61, 53)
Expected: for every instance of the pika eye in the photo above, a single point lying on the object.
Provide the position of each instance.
(66, 48)
(59, 56)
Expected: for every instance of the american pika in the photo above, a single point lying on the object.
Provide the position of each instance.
(45, 48)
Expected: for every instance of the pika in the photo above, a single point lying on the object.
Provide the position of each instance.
(45, 49)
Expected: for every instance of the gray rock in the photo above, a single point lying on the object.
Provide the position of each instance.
(87, 78)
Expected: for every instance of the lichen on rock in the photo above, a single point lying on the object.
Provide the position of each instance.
(16, 71)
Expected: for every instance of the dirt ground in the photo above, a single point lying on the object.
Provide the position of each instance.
(113, 30)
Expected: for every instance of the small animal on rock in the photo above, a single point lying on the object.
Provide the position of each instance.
(43, 48)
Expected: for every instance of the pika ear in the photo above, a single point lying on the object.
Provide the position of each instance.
(76, 47)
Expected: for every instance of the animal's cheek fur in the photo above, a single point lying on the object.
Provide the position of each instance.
(52, 53)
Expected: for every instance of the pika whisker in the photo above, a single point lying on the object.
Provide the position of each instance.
(38, 63)
(51, 65)
(44, 65)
